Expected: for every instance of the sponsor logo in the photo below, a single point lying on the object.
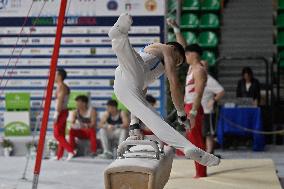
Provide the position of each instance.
(93, 51)
(25, 72)
(43, 1)
(128, 6)
(24, 41)
(106, 40)
(15, 3)
(42, 21)
(36, 83)
(87, 21)
(69, 40)
(17, 128)
(112, 5)
(12, 72)
(87, 0)
(32, 29)
(132, 6)
(35, 51)
(3, 4)
(37, 41)
(17, 97)
(151, 5)
(74, 83)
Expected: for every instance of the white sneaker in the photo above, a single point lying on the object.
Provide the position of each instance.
(105, 155)
(124, 23)
(54, 158)
(122, 26)
(70, 156)
(201, 157)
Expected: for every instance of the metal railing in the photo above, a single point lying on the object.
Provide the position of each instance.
(278, 81)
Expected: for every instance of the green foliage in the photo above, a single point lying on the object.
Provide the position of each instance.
(52, 145)
(6, 143)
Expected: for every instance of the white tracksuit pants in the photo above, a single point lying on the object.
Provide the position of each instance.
(128, 87)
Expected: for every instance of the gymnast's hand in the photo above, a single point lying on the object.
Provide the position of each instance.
(192, 121)
(172, 23)
(110, 127)
(182, 119)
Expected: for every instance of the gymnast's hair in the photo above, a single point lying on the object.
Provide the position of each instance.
(82, 98)
(62, 73)
(112, 103)
(179, 48)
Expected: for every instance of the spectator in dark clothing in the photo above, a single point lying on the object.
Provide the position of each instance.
(248, 86)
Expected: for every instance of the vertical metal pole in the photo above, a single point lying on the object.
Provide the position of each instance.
(48, 97)
(178, 11)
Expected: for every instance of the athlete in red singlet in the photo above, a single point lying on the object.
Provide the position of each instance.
(61, 114)
(195, 84)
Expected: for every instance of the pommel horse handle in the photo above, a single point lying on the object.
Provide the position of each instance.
(123, 146)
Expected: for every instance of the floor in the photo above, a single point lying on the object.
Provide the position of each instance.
(85, 172)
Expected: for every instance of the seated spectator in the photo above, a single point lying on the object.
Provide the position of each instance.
(113, 128)
(248, 86)
(83, 123)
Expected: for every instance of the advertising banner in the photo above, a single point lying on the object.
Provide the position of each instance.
(17, 101)
(19, 8)
(85, 52)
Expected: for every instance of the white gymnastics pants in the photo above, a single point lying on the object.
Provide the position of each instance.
(128, 87)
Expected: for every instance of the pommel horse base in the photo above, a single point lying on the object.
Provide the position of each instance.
(143, 166)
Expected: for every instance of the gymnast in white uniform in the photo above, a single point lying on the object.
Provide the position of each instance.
(136, 71)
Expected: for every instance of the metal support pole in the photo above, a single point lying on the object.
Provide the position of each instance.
(48, 97)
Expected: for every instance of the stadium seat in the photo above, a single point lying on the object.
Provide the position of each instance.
(207, 40)
(209, 57)
(209, 21)
(210, 5)
(171, 37)
(280, 39)
(281, 63)
(281, 59)
(191, 5)
(190, 37)
(280, 21)
(281, 55)
(280, 5)
(189, 21)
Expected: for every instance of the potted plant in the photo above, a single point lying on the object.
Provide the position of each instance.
(7, 146)
(31, 147)
(52, 147)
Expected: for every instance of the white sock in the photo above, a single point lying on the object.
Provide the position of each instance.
(124, 22)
